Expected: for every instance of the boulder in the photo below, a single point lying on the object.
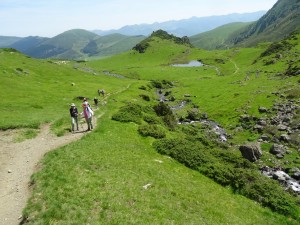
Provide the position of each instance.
(285, 138)
(252, 152)
(277, 149)
(262, 110)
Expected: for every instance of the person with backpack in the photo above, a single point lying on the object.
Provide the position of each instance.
(88, 114)
(74, 116)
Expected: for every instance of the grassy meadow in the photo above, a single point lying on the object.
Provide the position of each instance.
(114, 175)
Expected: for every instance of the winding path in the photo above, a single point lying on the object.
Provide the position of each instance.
(18, 161)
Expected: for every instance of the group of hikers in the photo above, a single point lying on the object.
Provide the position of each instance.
(87, 113)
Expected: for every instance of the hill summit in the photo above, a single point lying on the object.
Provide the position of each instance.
(143, 45)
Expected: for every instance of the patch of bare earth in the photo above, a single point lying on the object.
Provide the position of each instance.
(18, 162)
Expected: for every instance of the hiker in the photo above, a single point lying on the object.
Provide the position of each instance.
(86, 101)
(74, 116)
(96, 102)
(88, 115)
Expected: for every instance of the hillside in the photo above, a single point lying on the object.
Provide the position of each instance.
(74, 44)
(157, 155)
(111, 45)
(216, 38)
(25, 44)
(282, 19)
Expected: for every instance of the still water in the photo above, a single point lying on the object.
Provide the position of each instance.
(193, 63)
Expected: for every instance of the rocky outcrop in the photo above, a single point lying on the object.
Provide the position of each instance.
(278, 125)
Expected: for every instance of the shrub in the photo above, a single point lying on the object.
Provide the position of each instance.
(191, 154)
(152, 130)
(151, 119)
(193, 114)
(162, 109)
(141, 47)
(143, 87)
(170, 121)
(293, 93)
(267, 192)
(220, 173)
(277, 47)
(164, 146)
(161, 84)
(229, 169)
(167, 115)
(129, 113)
(145, 97)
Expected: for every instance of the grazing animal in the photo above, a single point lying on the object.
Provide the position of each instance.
(101, 92)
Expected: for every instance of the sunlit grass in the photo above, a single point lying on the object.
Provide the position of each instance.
(113, 175)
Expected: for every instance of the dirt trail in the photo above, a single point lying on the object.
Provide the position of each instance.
(18, 162)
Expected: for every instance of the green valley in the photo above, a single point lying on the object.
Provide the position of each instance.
(140, 165)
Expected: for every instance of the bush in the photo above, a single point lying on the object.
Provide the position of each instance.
(170, 121)
(167, 115)
(229, 169)
(145, 97)
(193, 114)
(162, 109)
(267, 192)
(141, 47)
(151, 119)
(223, 175)
(161, 84)
(143, 87)
(191, 154)
(129, 113)
(152, 130)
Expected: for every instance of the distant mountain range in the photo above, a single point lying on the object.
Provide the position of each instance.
(185, 27)
(82, 44)
(215, 32)
(74, 44)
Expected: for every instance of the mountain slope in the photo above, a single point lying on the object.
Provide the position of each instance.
(65, 45)
(76, 44)
(185, 27)
(282, 19)
(25, 44)
(111, 44)
(216, 38)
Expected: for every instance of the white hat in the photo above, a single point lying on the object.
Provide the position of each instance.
(73, 104)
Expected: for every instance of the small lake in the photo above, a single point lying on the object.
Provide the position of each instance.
(193, 63)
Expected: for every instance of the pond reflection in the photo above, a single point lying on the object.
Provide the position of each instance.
(193, 63)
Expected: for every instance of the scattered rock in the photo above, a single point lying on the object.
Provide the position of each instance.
(147, 186)
(277, 149)
(252, 152)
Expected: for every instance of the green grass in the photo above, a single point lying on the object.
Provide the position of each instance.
(44, 93)
(26, 134)
(218, 37)
(99, 179)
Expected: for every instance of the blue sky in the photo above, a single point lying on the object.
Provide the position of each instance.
(48, 18)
